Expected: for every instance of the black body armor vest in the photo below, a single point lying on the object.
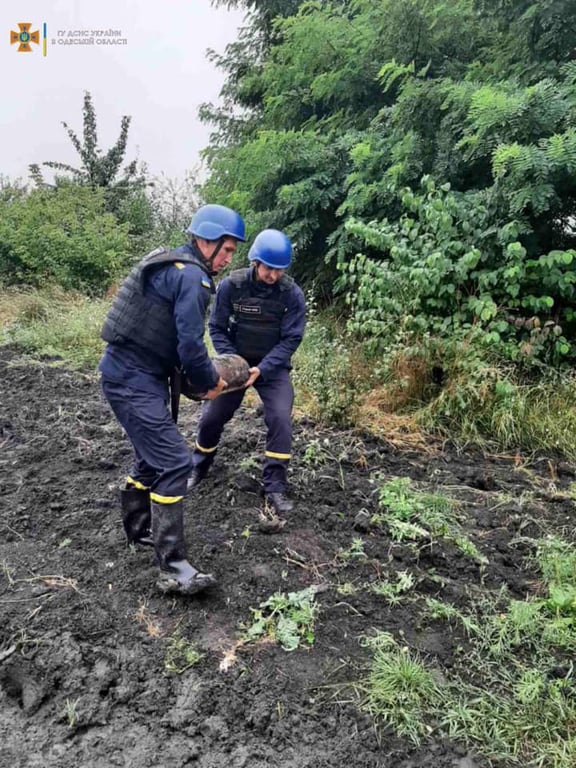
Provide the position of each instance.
(257, 313)
(140, 319)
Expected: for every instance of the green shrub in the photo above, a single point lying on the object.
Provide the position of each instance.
(447, 267)
(62, 236)
(328, 371)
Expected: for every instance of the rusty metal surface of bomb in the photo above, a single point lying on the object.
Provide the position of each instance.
(232, 368)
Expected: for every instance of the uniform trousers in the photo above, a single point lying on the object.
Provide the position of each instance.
(277, 395)
(162, 458)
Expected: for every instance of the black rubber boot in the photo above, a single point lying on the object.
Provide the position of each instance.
(199, 471)
(136, 516)
(176, 573)
(196, 477)
(279, 503)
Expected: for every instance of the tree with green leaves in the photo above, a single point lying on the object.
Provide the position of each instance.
(99, 169)
(352, 107)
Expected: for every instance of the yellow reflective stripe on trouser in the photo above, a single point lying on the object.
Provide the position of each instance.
(205, 450)
(136, 484)
(165, 499)
(271, 455)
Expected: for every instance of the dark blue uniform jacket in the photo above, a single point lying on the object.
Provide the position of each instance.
(187, 290)
(291, 331)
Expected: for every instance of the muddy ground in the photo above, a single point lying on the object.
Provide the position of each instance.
(84, 637)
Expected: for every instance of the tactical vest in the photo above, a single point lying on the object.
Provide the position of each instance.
(138, 318)
(256, 320)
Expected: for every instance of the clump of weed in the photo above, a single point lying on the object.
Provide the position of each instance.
(287, 619)
(399, 690)
(394, 591)
(320, 453)
(413, 515)
(181, 654)
(145, 619)
(354, 552)
(70, 713)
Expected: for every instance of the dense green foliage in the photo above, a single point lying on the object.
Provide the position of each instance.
(66, 234)
(436, 140)
(452, 269)
(422, 157)
(85, 227)
(62, 236)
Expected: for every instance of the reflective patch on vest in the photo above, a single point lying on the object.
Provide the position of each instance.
(205, 283)
(248, 309)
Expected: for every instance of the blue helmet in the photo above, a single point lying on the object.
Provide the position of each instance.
(272, 248)
(211, 222)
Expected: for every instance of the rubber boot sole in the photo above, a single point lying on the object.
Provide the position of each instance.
(169, 584)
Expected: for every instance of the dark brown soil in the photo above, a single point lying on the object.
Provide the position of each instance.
(84, 635)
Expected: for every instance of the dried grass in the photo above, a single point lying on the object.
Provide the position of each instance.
(374, 414)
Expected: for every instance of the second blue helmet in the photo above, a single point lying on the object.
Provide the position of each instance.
(273, 248)
(211, 222)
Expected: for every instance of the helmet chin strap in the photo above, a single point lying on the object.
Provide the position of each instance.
(210, 259)
(215, 253)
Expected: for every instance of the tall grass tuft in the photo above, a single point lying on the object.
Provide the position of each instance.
(452, 387)
(55, 324)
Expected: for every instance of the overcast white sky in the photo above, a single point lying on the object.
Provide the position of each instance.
(159, 77)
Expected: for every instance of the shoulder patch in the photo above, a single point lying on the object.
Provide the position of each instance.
(179, 264)
(206, 283)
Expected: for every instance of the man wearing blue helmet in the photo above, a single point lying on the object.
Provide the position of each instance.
(156, 325)
(259, 313)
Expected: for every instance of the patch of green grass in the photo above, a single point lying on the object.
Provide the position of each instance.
(56, 324)
(520, 720)
(494, 405)
(399, 691)
(510, 696)
(519, 715)
(481, 401)
(436, 609)
(557, 561)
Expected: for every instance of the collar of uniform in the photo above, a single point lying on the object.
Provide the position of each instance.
(193, 249)
(261, 288)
